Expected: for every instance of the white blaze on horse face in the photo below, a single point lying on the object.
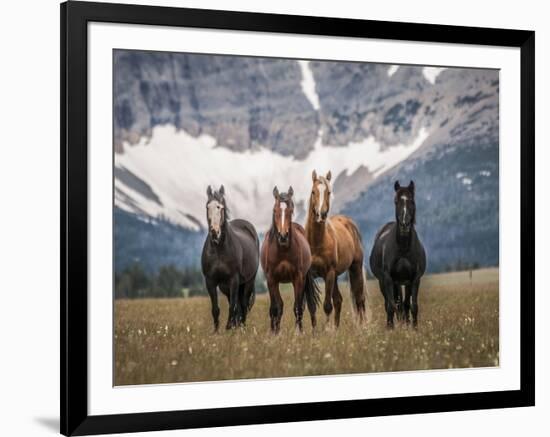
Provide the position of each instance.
(283, 207)
(215, 215)
(404, 198)
(321, 187)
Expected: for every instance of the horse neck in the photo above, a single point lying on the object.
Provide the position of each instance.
(315, 231)
(404, 240)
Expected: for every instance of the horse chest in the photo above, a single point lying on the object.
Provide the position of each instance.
(284, 271)
(219, 270)
(318, 264)
(403, 270)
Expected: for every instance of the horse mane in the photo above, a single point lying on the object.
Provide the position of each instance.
(325, 181)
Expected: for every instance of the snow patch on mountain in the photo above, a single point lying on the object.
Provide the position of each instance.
(178, 168)
(308, 84)
(431, 73)
(392, 70)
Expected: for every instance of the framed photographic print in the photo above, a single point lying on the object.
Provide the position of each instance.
(272, 218)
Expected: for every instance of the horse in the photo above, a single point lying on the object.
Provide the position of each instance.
(286, 258)
(230, 260)
(398, 258)
(336, 247)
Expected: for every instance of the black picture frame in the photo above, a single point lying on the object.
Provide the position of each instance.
(75, 17)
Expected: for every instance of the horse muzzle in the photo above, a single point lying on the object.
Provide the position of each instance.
(321, 217)
(404, 229)
(215, 236)
(283, 240)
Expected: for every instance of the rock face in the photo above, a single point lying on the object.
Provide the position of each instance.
(248, 103)
(359, 100)
(243, 102)
(362, 100)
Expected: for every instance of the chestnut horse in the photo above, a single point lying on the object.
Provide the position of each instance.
(336, 247)
(286, 258)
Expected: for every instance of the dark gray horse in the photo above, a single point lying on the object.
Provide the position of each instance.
(398, 258)
(230, 259)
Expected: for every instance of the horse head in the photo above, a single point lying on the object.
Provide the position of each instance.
(282, 215)
(216, 213)
(320, 196)
(405, 208)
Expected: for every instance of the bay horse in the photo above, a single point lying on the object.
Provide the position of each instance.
(398, 258)
(286, 258)
(230, 259)
(336, 247)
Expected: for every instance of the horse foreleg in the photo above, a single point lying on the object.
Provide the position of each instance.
(276, 306)
(329, 286)
(414, 307)
(407, 304)
(299, 301)
(337, 301)
(213, 293)
(389, 298)
(398, 297)
(234, 303)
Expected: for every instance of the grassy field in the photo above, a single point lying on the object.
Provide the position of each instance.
(172, 340)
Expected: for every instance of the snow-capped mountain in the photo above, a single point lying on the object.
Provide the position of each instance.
(185, 121)
(167, 175)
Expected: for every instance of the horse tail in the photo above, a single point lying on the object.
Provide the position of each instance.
(366, 293)
(251, 286)
(312, 291)
(251, 299)
(368, 309)
(358, 278)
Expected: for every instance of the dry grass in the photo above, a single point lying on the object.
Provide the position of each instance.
(171, 340)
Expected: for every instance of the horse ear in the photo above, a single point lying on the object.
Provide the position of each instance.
(290, 191)
(396, 186)
(276, 192)
(221, 190)
(329, 175)
(209, 191)
(411, 186)
(314, 175)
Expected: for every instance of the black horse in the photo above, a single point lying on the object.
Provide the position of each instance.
(398, 258)
(230, 259)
